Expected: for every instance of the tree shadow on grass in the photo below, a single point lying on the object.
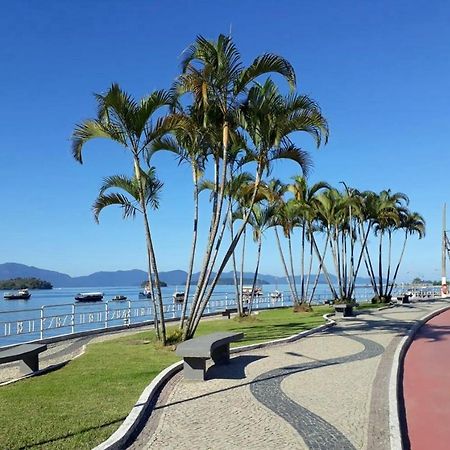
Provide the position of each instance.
(69, 435)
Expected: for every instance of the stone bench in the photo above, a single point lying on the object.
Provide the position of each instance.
(196, 351)
(28, 354)
(343, 310)
(227, 312)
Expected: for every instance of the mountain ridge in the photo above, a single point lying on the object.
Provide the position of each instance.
(132, 277)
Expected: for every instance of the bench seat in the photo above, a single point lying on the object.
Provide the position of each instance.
(227, 312)
(197, 351)
(28, 354)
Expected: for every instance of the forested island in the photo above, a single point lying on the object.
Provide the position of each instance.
(22, 283)
(161, 283)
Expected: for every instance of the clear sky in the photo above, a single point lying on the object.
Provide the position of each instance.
(379, 69)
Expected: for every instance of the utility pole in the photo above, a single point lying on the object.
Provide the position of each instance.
(444, 290)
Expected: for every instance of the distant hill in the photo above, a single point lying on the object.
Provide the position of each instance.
(129, 277)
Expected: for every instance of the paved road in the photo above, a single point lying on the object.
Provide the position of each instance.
(426, 384)
(328, 391)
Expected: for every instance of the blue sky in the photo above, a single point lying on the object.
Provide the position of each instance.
(379, 70)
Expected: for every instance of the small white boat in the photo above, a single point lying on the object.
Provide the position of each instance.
(89, 297)
(248, 290)
(275, 295)
(146, 293)
(21, 294)
(178, 297)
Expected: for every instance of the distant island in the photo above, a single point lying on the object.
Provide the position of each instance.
(134, 277)
(161, 283)
(22, 283)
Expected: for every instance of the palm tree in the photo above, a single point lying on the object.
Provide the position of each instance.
(128, 198)
(220, 86)
(306, 197)
(261, 218)
(390, 206)
(122, 119)
(411, 223)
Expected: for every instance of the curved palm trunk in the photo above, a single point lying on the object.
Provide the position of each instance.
(193, 249)
(310, 266)
(201, 296)
(227, 256)
(380, 264)
(233, 257)
(291, 260)
(389, 262)
(255, 277)
(319, 270)
(398, 265)
(283, 260)
(241, 275)
(322, 262)
(355, 271)
(151, 253)
(367, 259)
(302, 268)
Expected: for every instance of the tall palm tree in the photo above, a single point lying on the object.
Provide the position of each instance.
(261, 218)
(124, 191)
(220, 85)
(133, 125)
(306, 197)
(411, 223)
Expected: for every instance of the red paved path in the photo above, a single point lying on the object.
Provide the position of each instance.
(426, 385)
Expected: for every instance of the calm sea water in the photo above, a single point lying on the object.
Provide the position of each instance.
(54, 312)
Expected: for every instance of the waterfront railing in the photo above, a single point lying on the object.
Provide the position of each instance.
(68, 320)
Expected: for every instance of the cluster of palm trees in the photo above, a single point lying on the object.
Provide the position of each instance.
(226, 119)
(326, 227)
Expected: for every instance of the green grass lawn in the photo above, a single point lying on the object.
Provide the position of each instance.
(82, 404)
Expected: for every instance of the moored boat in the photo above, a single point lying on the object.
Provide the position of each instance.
(119, 298)
(178, 297)
(89, 297)
(248, 290)
(22, 294)
(275, 295)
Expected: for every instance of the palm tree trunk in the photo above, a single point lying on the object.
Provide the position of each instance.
(303, 263)
(227, 256)
(235, 276)
(319, 269)
(199, 302)
(292, 269)
(380, 264)
(398, 265)
(193, 249)
(241, 275)
(310, 265)
(151, 253)
(389, 262)
(283, 260)
(322, 262)
(255, 277)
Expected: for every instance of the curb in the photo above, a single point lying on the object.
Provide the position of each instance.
(121, 436)
(396, 433)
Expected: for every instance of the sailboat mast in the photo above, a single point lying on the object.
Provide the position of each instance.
(444, 253)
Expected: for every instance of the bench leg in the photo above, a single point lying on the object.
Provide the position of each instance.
(194, 369)
(29, 364)
(221, 355)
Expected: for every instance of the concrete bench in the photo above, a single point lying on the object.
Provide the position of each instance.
(228, 311)
(343, 310)
(28, 354)
(196, 351)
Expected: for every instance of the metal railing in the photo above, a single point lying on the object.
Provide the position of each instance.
(66, 319)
